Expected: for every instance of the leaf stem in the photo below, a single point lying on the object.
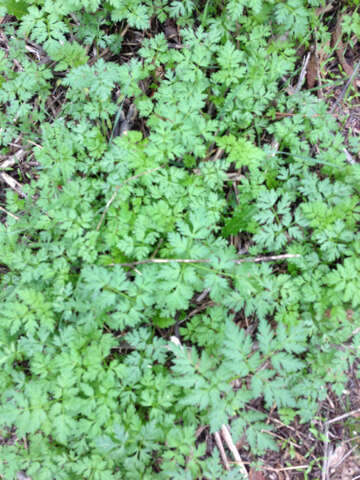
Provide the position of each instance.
(269, 258)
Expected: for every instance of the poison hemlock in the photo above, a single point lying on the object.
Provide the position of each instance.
(90, 379)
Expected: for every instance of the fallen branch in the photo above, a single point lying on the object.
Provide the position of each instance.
(349, 157)
(268, 258)
(13, 160)
(14, 184)
(325, 465)
(340, 48)
(284, 469)
(220, 446)
(9, 213)
(302, 73)
(342, 417)
(232, 447)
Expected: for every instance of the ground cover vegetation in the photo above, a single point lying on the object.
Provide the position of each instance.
(179, 243)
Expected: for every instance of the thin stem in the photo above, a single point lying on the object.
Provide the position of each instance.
(269, 258)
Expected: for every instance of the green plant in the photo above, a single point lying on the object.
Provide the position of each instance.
(109, 246)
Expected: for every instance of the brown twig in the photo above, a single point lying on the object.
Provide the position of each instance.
(232, 447)
(324, 9)
(220, 446)
(302, 73)
(325, 465)
(340, 48)
(284, 469)
(342, 417)
(217, 155)
(9, 213)
(10, 162)
(235, 176)
(225, 434)
(13, 160)
(349, 157)
(14, 184)
(157, 247)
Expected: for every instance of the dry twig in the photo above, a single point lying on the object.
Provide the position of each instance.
(14, 184)
(221, 450)
(302, 73)
(325, 465)
(225, 434)
(342, 417)
(9, 213)
(232, 447)
(13, 160)
(285, 469)
(349, 157)
(340, 48)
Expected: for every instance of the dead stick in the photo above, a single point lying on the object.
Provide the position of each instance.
(221, 450)
(13, 160)
(302, 73)
(339, 46)
(342, 417)
(284, 469)
(268, 258)
(9, 213)
(232, 447)
(14, 184)
(325, 465)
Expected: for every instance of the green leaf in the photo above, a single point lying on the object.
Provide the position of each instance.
(18, 8)
(164, 322)
(241, 151)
